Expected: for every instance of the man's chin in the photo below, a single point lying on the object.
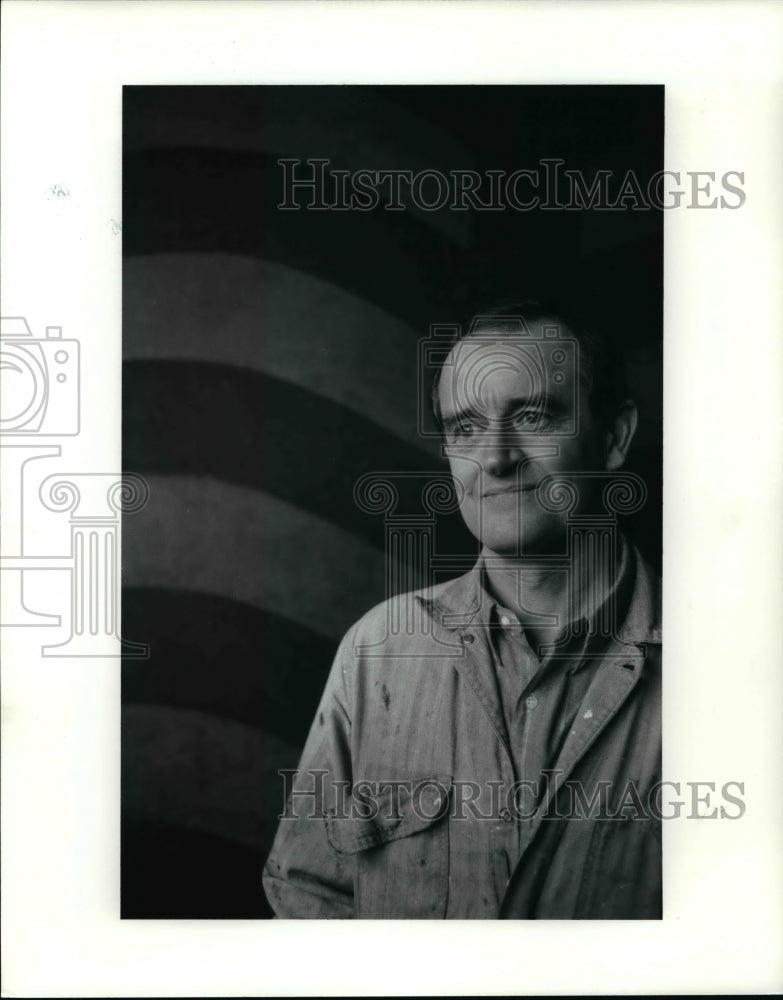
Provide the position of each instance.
(538, 540)
(535, 534)
(519, 549)
(504, 548)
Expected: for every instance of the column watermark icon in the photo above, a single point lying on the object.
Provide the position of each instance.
(520, 431)
(40, 402)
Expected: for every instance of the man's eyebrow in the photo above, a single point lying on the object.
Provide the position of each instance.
(542, 401)
(452, 420)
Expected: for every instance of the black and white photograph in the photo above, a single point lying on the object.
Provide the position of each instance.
(392, 370)
(379, 382)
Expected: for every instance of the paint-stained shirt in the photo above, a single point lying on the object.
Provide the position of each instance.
(541, 689)
(412, 797)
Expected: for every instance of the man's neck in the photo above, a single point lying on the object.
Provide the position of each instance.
(537, 593)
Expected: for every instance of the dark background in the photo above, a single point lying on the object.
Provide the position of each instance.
(269, 362)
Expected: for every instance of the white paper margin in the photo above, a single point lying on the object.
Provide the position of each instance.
(63, 66)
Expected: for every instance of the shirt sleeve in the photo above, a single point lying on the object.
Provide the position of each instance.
(305, 877)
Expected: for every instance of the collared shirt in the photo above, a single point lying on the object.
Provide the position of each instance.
(542, 690)
(404, 801)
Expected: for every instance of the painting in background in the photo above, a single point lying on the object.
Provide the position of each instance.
(270, 360)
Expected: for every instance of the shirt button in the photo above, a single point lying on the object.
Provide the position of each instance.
(532, 701)
(467, 639)
(504, 620)
(506, 816)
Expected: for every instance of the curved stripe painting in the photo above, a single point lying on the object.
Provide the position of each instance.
(270, 362)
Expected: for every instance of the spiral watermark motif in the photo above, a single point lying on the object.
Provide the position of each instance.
(129, 495)
(375, 494)
(443, 495)
(41, 400)
(541, 358)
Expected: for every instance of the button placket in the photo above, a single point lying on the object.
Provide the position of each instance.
(471, 667)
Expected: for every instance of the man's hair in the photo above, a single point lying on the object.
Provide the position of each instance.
(602, 366)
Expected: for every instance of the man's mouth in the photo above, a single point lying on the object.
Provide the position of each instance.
(509, 489)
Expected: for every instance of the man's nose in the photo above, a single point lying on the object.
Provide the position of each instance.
(501, 458)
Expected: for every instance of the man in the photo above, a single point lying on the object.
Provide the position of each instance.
(490, 746)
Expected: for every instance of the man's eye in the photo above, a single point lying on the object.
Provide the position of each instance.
(463, 430)
(530, 418)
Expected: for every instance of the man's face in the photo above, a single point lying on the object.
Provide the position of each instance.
(514, 410)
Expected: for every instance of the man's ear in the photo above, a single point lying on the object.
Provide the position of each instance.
(620, 434)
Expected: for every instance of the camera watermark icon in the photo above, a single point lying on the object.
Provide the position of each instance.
(542, 357)
(507, 399)
(40, 381)
(40, 400)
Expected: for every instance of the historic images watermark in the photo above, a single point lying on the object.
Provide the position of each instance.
(391, 801)
(546, 360)
(549, 185)
(40, 381)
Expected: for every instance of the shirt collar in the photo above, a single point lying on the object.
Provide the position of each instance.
(466, 601)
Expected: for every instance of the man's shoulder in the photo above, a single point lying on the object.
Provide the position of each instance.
(643, 618)
(405, 616)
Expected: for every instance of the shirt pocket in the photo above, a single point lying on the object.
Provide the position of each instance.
(622, 877)
(398, 839)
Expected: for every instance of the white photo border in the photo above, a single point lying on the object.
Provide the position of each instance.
(64, 63)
